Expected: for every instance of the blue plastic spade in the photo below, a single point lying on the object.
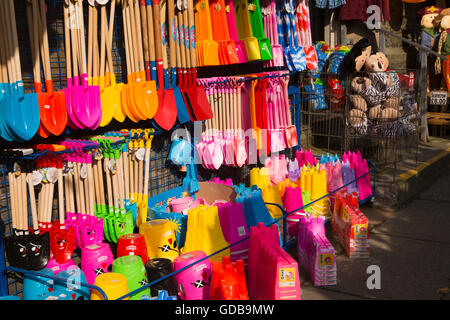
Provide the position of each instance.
(22, 113)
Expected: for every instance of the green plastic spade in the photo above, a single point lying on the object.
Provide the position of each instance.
(254, 12)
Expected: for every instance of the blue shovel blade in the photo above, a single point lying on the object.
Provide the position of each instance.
(23, 116)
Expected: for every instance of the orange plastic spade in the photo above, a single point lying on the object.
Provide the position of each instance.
(227, 48)
(125, 94)
(148, 99)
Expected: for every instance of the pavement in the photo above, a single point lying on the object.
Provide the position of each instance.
(411, 246)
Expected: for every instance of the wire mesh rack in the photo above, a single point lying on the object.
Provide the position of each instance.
(386, 131)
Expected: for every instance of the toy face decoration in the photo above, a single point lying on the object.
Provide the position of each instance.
(361, 60)
(428, 19)
(377, 62)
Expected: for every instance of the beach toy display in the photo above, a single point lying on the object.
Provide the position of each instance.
(194, 283)
(95, 260)
(114, 285)
(134, 271)
(132, 244)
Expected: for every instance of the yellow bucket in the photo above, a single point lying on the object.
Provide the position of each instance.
(113, 284)
(160, 238)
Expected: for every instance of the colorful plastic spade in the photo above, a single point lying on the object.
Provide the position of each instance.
(166, 115)
(62, 239)
(209, 48)
(52, 105)
(231, 20)
(147, 99)
(182, 112)
(88, 109)
(254, 12)
(227, 49)
(20, 110)
(244, 30)
(107, 96)
(197, 95)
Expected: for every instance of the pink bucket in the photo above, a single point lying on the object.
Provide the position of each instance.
(58, 267)
(95, 260)
(179, 204)
(194, 283)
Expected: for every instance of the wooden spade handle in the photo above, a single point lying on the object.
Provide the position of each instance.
(74, 38)
(144, 29)
(162, 17)
(151, 33)
(50, 202)
(82, 37)
(103, 39)
(125, 40)
(171, 14)
(61, 198)
(90, 36)
(132, 35)
(139, 36)
(46, 56)
(187, 40)
(9, 52)
(67, 42)
(91, 189)
(33, 45)
(108, 184)
(183, 63)
(15, 42)
(32, 201)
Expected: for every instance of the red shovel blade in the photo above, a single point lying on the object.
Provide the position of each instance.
(166, 116)
(59, 113)
(62, 243)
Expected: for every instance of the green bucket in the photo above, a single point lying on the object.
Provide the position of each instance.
(133, 269)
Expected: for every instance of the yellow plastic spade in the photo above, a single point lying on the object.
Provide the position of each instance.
(245, 31)
(106, 97)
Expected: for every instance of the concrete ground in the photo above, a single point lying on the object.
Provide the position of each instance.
(411, 246)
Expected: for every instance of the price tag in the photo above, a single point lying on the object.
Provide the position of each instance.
(140, 154)
(438, 98)
(286, 277)
(52, 175)
(83, 171)
(36, 178)
(113, 166)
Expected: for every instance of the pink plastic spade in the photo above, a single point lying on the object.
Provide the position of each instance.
(87, 105)
(239, 44)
